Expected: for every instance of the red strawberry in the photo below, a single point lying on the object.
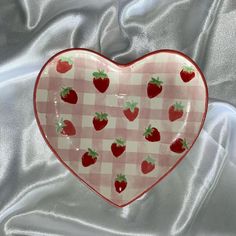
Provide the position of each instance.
(65, 127)
(64, 64)
(69, 95)
(152, 134)
(154, 87)
(176, 111)
(187, 73)
(131, 110)
(118, 147)
(101, 81)
(89, 157)
(120, 183)
(100, 120)
(179, 145)
(148, 165)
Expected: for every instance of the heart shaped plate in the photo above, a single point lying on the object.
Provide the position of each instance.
(120, 128)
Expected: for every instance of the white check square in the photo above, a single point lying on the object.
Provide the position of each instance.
(134, 125)
(111, 100)
(64, 143)
(106, 168)
(156, 103)
(106, 191)
(131, 146)
(135, 79)
(106, 144)
(85, 143)
(89, 98)
(87, 121)
(131, 169)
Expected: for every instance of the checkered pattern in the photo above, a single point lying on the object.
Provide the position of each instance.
(126, 83)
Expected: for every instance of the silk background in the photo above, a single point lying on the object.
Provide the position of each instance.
(38, 196)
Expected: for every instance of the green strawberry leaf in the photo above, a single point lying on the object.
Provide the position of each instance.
(96, 74)
(148, 131)
(178, 106)
(185, 144)
(120, 142)
(65, 91)
(188, 69)
(101, 116)
(60, 125)
(100, 74)
(120, 178)
(150, 160)
(92, 153)
(67, 59)
(156, 81)
(131, 105)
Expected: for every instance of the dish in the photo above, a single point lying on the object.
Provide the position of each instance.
(120, 128)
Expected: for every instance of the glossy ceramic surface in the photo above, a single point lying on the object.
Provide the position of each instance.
(120, 128)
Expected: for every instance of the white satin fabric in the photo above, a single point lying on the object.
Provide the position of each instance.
(38, 196)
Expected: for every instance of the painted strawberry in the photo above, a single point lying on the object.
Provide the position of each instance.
(131, 110)
(176, 111)
(65, 127)
(101, 81)
(64, 64)
(100, 120)
(69, 95)
(187, 73)
(147, 165)
(154, 87)
(89, 157)
(179, 145)
(120, 183)
(118, 147)
(152, 134)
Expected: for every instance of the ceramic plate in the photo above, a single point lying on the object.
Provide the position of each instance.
(120, 128)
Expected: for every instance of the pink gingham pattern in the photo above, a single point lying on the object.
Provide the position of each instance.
(126, 83)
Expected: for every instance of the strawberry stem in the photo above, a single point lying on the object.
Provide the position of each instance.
(65, 91)
(120, 178)
(60, 125)
(148, 131)
(100, 74)
(67, 59)
(156, 81)
(101, 116)
(131, 105)
(188, 69)
(185, 144)
(92, 153)
(150, 160)
(120, 142)
(178, 106)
